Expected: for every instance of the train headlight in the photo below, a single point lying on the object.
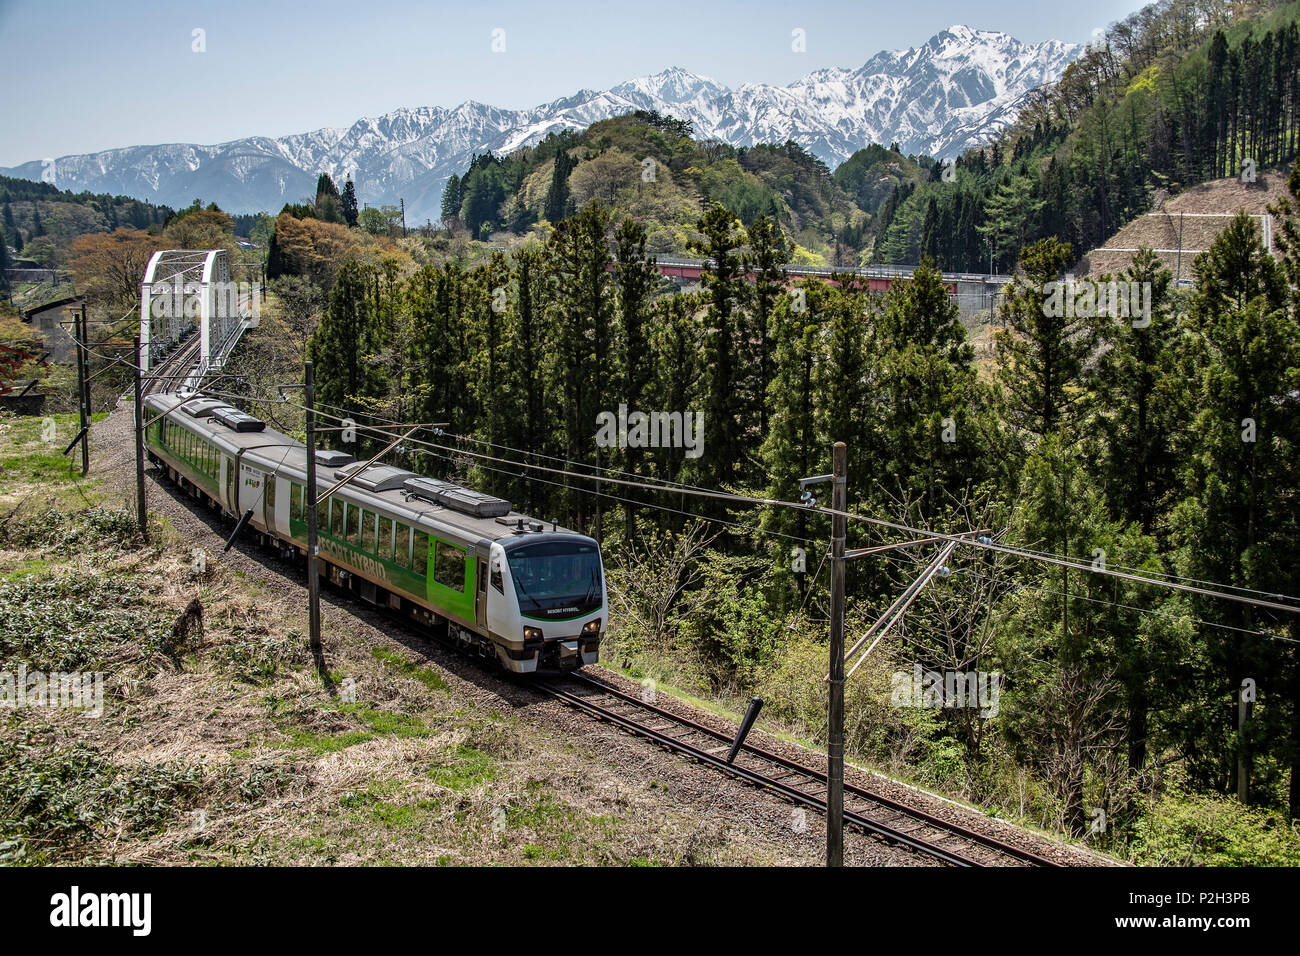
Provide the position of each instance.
(591, 628)
(532, 634)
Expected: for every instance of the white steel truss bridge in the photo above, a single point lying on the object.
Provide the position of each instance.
(188, 293)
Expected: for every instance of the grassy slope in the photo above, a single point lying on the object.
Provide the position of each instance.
(222, 747)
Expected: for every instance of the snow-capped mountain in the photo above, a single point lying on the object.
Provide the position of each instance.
(955, 91)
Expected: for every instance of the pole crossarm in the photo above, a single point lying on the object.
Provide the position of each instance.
(894, 613)
(379, 454)
(881, 548)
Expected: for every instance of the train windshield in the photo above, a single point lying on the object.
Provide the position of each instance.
(556, 578)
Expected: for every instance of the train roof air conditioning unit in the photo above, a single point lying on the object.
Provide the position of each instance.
(236, 420)
(202, 407)
(376, 477)
(462, 500)
(475, 503)
(425, 489)
(333, 459)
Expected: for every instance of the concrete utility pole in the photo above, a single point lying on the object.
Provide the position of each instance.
(313, 578)
(835, 707)
(1245, 695)
(83, 385)
(142, 516)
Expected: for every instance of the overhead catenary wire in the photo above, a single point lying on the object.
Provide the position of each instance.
(628, 501)
(986, 543)
(1149, 611)
(663, 486)
(667, 484)
(1146, 575)
(1020, 586)
(1016, 585)
(446, 453)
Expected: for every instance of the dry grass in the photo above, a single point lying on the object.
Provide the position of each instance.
(224, 747)
(1160, 229)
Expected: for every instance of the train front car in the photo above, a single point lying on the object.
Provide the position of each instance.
(548, 602)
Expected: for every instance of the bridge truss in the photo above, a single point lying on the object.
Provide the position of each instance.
(189, 292)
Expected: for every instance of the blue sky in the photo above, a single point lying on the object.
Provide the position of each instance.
(85, 75)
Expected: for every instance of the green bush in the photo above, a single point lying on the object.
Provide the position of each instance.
(1188, 829)
(70, 623)
(53, 798)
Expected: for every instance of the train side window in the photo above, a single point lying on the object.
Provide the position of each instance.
(295, 500)
(449, 566)
(368, 531)
(323, 516)
(403, 545)
(353, 522)
(496, 576)
(385, 537)
(420, 553)
(336, 517)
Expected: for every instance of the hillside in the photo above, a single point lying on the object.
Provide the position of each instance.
(1189, 221)
(217, 742)
(38, 220)
(1172, 96)
(649, 167)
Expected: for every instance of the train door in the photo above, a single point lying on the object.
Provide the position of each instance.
(228, 483)
(283, 504)
(482, 554)
(252, 491)
(269, 503)
(480, 594)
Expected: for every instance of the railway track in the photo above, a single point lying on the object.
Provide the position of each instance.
(175, 369)
(898, 823)
(873, 813)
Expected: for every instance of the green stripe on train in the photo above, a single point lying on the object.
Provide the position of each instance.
(397, 578)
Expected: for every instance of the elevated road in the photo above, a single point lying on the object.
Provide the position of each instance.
(971, 291)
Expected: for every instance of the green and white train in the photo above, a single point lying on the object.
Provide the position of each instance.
(499, 583)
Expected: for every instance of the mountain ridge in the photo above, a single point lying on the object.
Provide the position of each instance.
(946, 95)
